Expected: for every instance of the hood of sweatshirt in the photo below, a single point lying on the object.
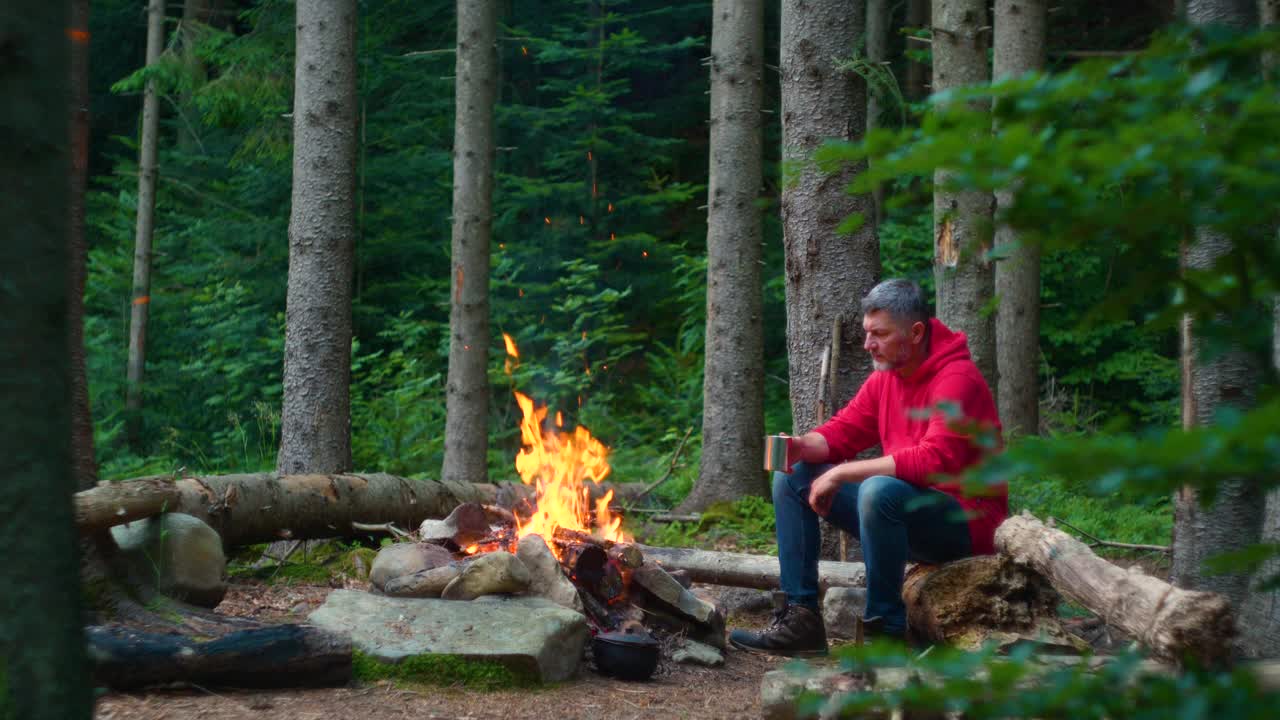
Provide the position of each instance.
(945, 346)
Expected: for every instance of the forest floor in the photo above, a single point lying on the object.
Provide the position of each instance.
(676, 691)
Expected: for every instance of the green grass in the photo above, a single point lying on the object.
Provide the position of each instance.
(440, 670)
(1107, 518)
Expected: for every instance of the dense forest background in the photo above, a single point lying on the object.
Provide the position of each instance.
(599, 266)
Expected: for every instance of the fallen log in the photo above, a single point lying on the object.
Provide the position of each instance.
(1174, 624)
(266, 507)
(988, 598)
(124, 658)
(750, 571)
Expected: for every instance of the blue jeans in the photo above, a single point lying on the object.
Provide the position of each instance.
(894, 520)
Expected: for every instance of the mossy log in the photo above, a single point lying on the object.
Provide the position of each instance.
(1174, 624)
(266, 507)
(125, 658)
(979, 599)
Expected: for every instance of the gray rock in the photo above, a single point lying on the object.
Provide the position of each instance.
(527, 634)
(779, 689)
(403, 559)
(696, 653)
(841, 608)
(179, 554)
(748, 601)
(489, 574)
(546, 577)
(424, 583)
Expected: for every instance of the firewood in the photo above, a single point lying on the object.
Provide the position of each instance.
(1175, 624)
(273, 656)
(627, 555)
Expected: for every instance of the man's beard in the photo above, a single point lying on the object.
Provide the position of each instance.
(904, 355)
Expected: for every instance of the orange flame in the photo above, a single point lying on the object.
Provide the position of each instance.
(557, 463)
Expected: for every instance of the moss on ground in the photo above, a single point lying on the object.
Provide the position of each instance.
(442, 670)
(318, 564)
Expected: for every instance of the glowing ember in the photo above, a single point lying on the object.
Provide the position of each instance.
(557, 464)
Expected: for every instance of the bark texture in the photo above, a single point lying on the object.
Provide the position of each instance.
(751, 571)
(467, 397)
(979, 599)
(42, 658)
(733, 390)
(84, 464)
(315, 421)
(878, 12)
(1019, 49)
(1261, 612)
(917, 79)
(1229, 379)
(1173, 623)
(961, 220)
(263, 507)
(148, 169)
(826, 274)
(268, 656)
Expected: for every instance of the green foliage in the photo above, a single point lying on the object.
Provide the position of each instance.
(1148, 520)
(746, 524)
(987, 685)
(448, 670)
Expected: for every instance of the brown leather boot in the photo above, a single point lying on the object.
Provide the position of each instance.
(794, 631)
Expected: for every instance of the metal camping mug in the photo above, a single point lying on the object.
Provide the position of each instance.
(775, 453)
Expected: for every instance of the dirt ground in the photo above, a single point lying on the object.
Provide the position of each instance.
(677, 691)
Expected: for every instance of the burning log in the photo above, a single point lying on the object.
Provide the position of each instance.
(264, 507)
(750, 571)
(1175, 624)
(628, 555)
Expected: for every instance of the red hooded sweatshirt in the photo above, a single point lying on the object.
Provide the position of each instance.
(928, 448)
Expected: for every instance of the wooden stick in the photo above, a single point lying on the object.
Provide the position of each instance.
(388, 528)
(670, 469)
(1098, 542)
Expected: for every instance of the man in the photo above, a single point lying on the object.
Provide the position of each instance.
(904, 505)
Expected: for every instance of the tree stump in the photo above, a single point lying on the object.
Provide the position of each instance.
(978, 599)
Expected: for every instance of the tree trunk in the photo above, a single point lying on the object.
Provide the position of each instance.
(466, 432)
(878, 12)
(267, 656)
(1261, 611)
(84, 465)
(827, 274)
(733, 386)
(263, 507)
(315, 421)
(42, 662)
(1175, 624)
(750, 571)
(961, 220)
(1019, 49)
(194, 13)
(1235, 519)
(917, 80)
(147, 172)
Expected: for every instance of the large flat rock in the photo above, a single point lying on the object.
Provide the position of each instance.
(527, 634)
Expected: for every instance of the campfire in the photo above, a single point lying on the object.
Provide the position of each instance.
(562, 540)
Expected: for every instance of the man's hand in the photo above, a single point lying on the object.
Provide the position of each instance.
(822, 493)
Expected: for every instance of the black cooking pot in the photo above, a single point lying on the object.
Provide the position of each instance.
(626, 655)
